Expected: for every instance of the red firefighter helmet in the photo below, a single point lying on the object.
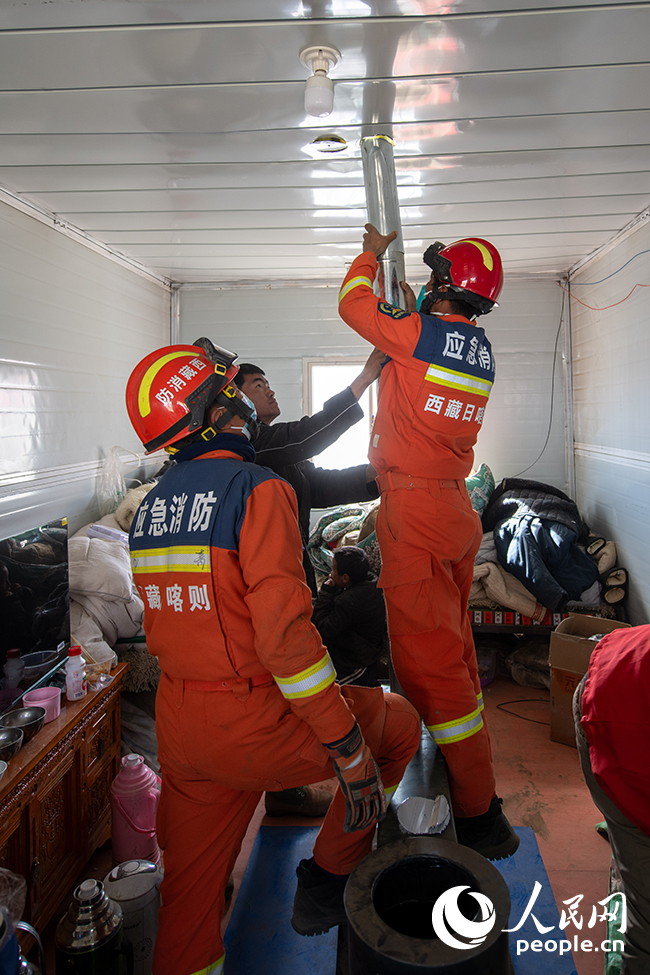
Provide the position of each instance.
(169, 391)
(470, 267)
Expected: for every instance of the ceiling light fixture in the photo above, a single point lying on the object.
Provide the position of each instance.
(319, 89)
(329, 143)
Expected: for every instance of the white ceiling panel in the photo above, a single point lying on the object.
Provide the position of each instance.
(174, 130)
(18, 15)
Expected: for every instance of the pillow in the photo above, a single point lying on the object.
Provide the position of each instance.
(480, 485)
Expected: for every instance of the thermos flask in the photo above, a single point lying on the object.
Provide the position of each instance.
(135, 792)
(90, 938)
(134, 886)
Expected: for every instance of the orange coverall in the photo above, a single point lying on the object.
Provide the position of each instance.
(432, 398)
(247, 691)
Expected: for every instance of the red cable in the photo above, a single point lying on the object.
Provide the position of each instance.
(605, 307)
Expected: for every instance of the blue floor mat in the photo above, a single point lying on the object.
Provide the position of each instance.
(260, 937)
(520, 873)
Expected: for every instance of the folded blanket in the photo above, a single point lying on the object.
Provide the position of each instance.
(493, 584)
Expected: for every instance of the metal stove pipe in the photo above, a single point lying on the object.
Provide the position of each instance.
(382, 205)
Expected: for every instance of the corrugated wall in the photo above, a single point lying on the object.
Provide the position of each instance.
(74, 323)
(276, 327)
(611, 364)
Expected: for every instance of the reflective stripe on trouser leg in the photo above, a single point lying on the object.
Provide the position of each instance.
(215, 969)
(431, 640)
(200, 826)
(451, 731)
(392, 731)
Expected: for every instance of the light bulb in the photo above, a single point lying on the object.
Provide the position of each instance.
(319, 95)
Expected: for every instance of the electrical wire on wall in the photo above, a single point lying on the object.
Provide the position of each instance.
(550, 418)
(584, 284)
(587, 284)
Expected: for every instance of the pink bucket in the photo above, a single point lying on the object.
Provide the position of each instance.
(135, 792)
(45, 697)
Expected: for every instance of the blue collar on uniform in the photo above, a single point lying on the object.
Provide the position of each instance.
(223, 441)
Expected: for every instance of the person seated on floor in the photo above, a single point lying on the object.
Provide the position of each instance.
(350, 615)
(611, 707)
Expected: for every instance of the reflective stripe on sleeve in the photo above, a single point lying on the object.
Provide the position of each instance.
(308, 682)
(389, 791)
(216, 968)
(451, 731)
(354, 283)
(178, 558)
(479, 698)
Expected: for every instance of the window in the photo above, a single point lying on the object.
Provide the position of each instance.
(324, 377)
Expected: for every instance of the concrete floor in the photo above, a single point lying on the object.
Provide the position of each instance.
(542, 787)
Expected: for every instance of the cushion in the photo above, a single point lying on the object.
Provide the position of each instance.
(480, 485)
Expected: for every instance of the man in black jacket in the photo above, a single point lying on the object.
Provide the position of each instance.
(287, 447)
(350, 615)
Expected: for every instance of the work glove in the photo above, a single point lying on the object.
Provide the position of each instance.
(360, 781)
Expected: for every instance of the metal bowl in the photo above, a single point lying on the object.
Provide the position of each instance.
(11, 740)
(3, 769)
(29, 720)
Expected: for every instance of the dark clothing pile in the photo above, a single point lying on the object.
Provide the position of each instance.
(286, 447)
(353, 627)
(537, 529)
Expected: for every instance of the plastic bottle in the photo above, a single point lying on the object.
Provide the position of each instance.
(75, 678)
(135, 792)
(14, 669)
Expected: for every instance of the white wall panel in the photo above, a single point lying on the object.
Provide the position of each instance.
(74, 323)
(276, 327)
(611, 357)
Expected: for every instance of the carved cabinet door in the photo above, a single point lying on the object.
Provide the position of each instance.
(55, 823)
(101, 757)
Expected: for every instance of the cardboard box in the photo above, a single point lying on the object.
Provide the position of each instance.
(569, 655)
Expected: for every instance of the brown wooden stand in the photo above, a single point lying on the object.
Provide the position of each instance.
(55, 807)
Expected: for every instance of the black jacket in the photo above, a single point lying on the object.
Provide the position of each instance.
(287, 447)
(537, 529)
(352, 624)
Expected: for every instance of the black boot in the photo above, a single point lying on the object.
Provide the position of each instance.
(490, 834)
(318, 904)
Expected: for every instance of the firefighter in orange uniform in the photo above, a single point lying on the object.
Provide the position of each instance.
(247, 699)
(432, 397)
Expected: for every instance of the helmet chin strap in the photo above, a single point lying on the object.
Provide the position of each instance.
(432, 296)
(242, 408)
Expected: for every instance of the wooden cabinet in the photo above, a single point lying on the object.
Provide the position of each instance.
(55, 807)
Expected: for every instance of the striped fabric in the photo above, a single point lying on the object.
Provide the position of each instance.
(308, 682)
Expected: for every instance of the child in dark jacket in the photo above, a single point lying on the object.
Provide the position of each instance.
(350, 615)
